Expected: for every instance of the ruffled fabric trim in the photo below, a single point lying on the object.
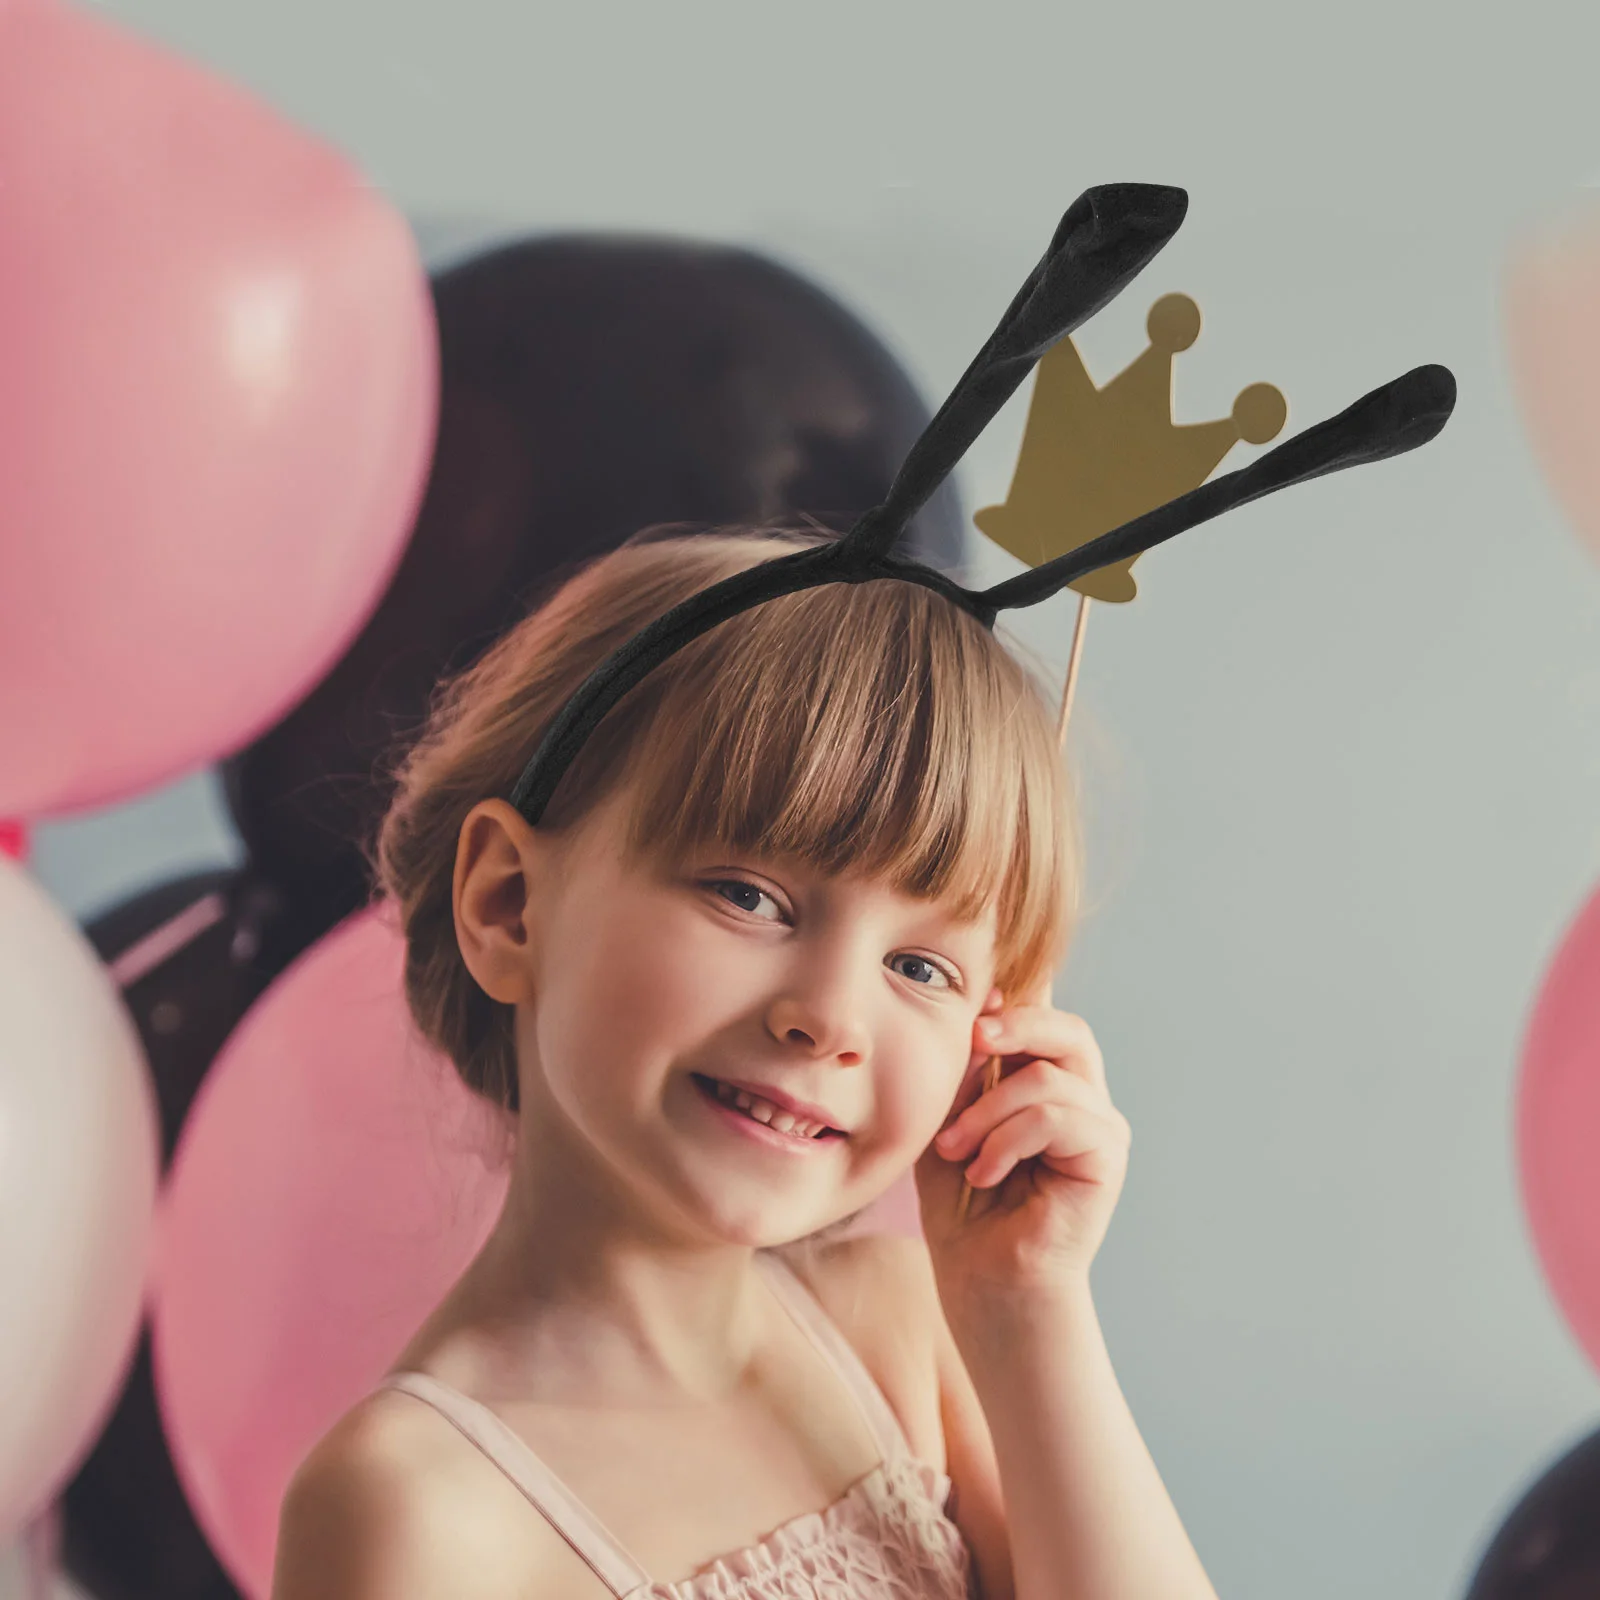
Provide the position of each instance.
(888, 1537)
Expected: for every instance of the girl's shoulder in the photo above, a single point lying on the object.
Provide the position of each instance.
(390, 1504)
(879, 1290)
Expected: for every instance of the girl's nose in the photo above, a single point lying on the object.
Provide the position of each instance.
(823, 1027)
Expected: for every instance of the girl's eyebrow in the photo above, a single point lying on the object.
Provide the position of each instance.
(945, 923)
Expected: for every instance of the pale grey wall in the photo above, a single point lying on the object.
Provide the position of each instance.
(1341, 760)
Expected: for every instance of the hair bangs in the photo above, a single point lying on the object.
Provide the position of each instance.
(873, 730)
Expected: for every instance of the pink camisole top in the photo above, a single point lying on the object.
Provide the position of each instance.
(888, 1537)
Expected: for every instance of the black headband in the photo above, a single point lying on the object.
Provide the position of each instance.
(1106, 238)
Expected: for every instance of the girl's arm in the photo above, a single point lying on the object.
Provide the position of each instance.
(1087, 1515)
(1047, 1431)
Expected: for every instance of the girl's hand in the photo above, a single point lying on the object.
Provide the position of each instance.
(1045, 1151)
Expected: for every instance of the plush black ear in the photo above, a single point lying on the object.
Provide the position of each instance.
(1398, 417)
(1106, 238)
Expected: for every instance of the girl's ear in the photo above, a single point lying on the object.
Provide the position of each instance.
(502, 865)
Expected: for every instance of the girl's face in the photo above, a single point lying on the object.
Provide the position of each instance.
(758, 1049)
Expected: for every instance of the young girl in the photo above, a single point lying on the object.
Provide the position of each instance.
(802, 882)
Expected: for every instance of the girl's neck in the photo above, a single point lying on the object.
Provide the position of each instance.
(578, 1299)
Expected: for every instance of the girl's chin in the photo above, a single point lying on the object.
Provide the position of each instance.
(763, 1222)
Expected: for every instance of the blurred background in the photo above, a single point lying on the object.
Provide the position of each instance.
(1339, 761)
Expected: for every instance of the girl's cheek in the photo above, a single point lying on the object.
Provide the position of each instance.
(914, 1106)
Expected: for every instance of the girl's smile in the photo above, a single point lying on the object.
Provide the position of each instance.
(763, 1120)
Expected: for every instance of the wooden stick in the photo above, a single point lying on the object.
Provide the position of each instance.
(1072, 671)
(991, 1072)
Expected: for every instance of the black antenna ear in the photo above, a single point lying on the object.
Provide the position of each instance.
(1106, 238)
(1400, 416)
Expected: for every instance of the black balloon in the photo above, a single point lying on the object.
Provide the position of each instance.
(191, 958)
(1549, 1547)
(127, 1532)
(590, 386)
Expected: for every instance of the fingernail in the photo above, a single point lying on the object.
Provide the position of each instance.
(947, 1138)
(991, 1027)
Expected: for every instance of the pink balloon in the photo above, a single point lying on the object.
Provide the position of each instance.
(1558, 1127)
(1552, 310)
(218, 380)
(333, 1179)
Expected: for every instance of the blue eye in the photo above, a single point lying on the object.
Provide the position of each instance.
(926, 972)
(746, 896)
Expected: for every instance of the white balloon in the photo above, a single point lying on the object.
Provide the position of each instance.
(79, 1163)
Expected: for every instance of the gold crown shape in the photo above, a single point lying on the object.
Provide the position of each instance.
(1092, 459)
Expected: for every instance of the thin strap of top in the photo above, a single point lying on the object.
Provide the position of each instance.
(838, 1352)
(605, 1554)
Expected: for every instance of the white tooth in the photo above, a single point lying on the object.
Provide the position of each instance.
(761, 1110)
(783, 1121)
(742, 1100)
(807, 1130)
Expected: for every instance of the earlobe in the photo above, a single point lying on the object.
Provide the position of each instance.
(495, 901)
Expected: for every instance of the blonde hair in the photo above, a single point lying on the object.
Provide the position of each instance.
(872, 728)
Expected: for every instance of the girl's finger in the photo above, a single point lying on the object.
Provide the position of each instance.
(1036, 1083)
(1042, 1031)
(992, 1010)
(971, 1085)
(1026, 1133)
(1057, 1134)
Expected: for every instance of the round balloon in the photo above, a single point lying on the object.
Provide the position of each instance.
(78, 1162)
(217, 401)
(333, 1179)
(190, 957)
(1552, 311)
(1558, 1127)
(590, 386)
(1549, 1547)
